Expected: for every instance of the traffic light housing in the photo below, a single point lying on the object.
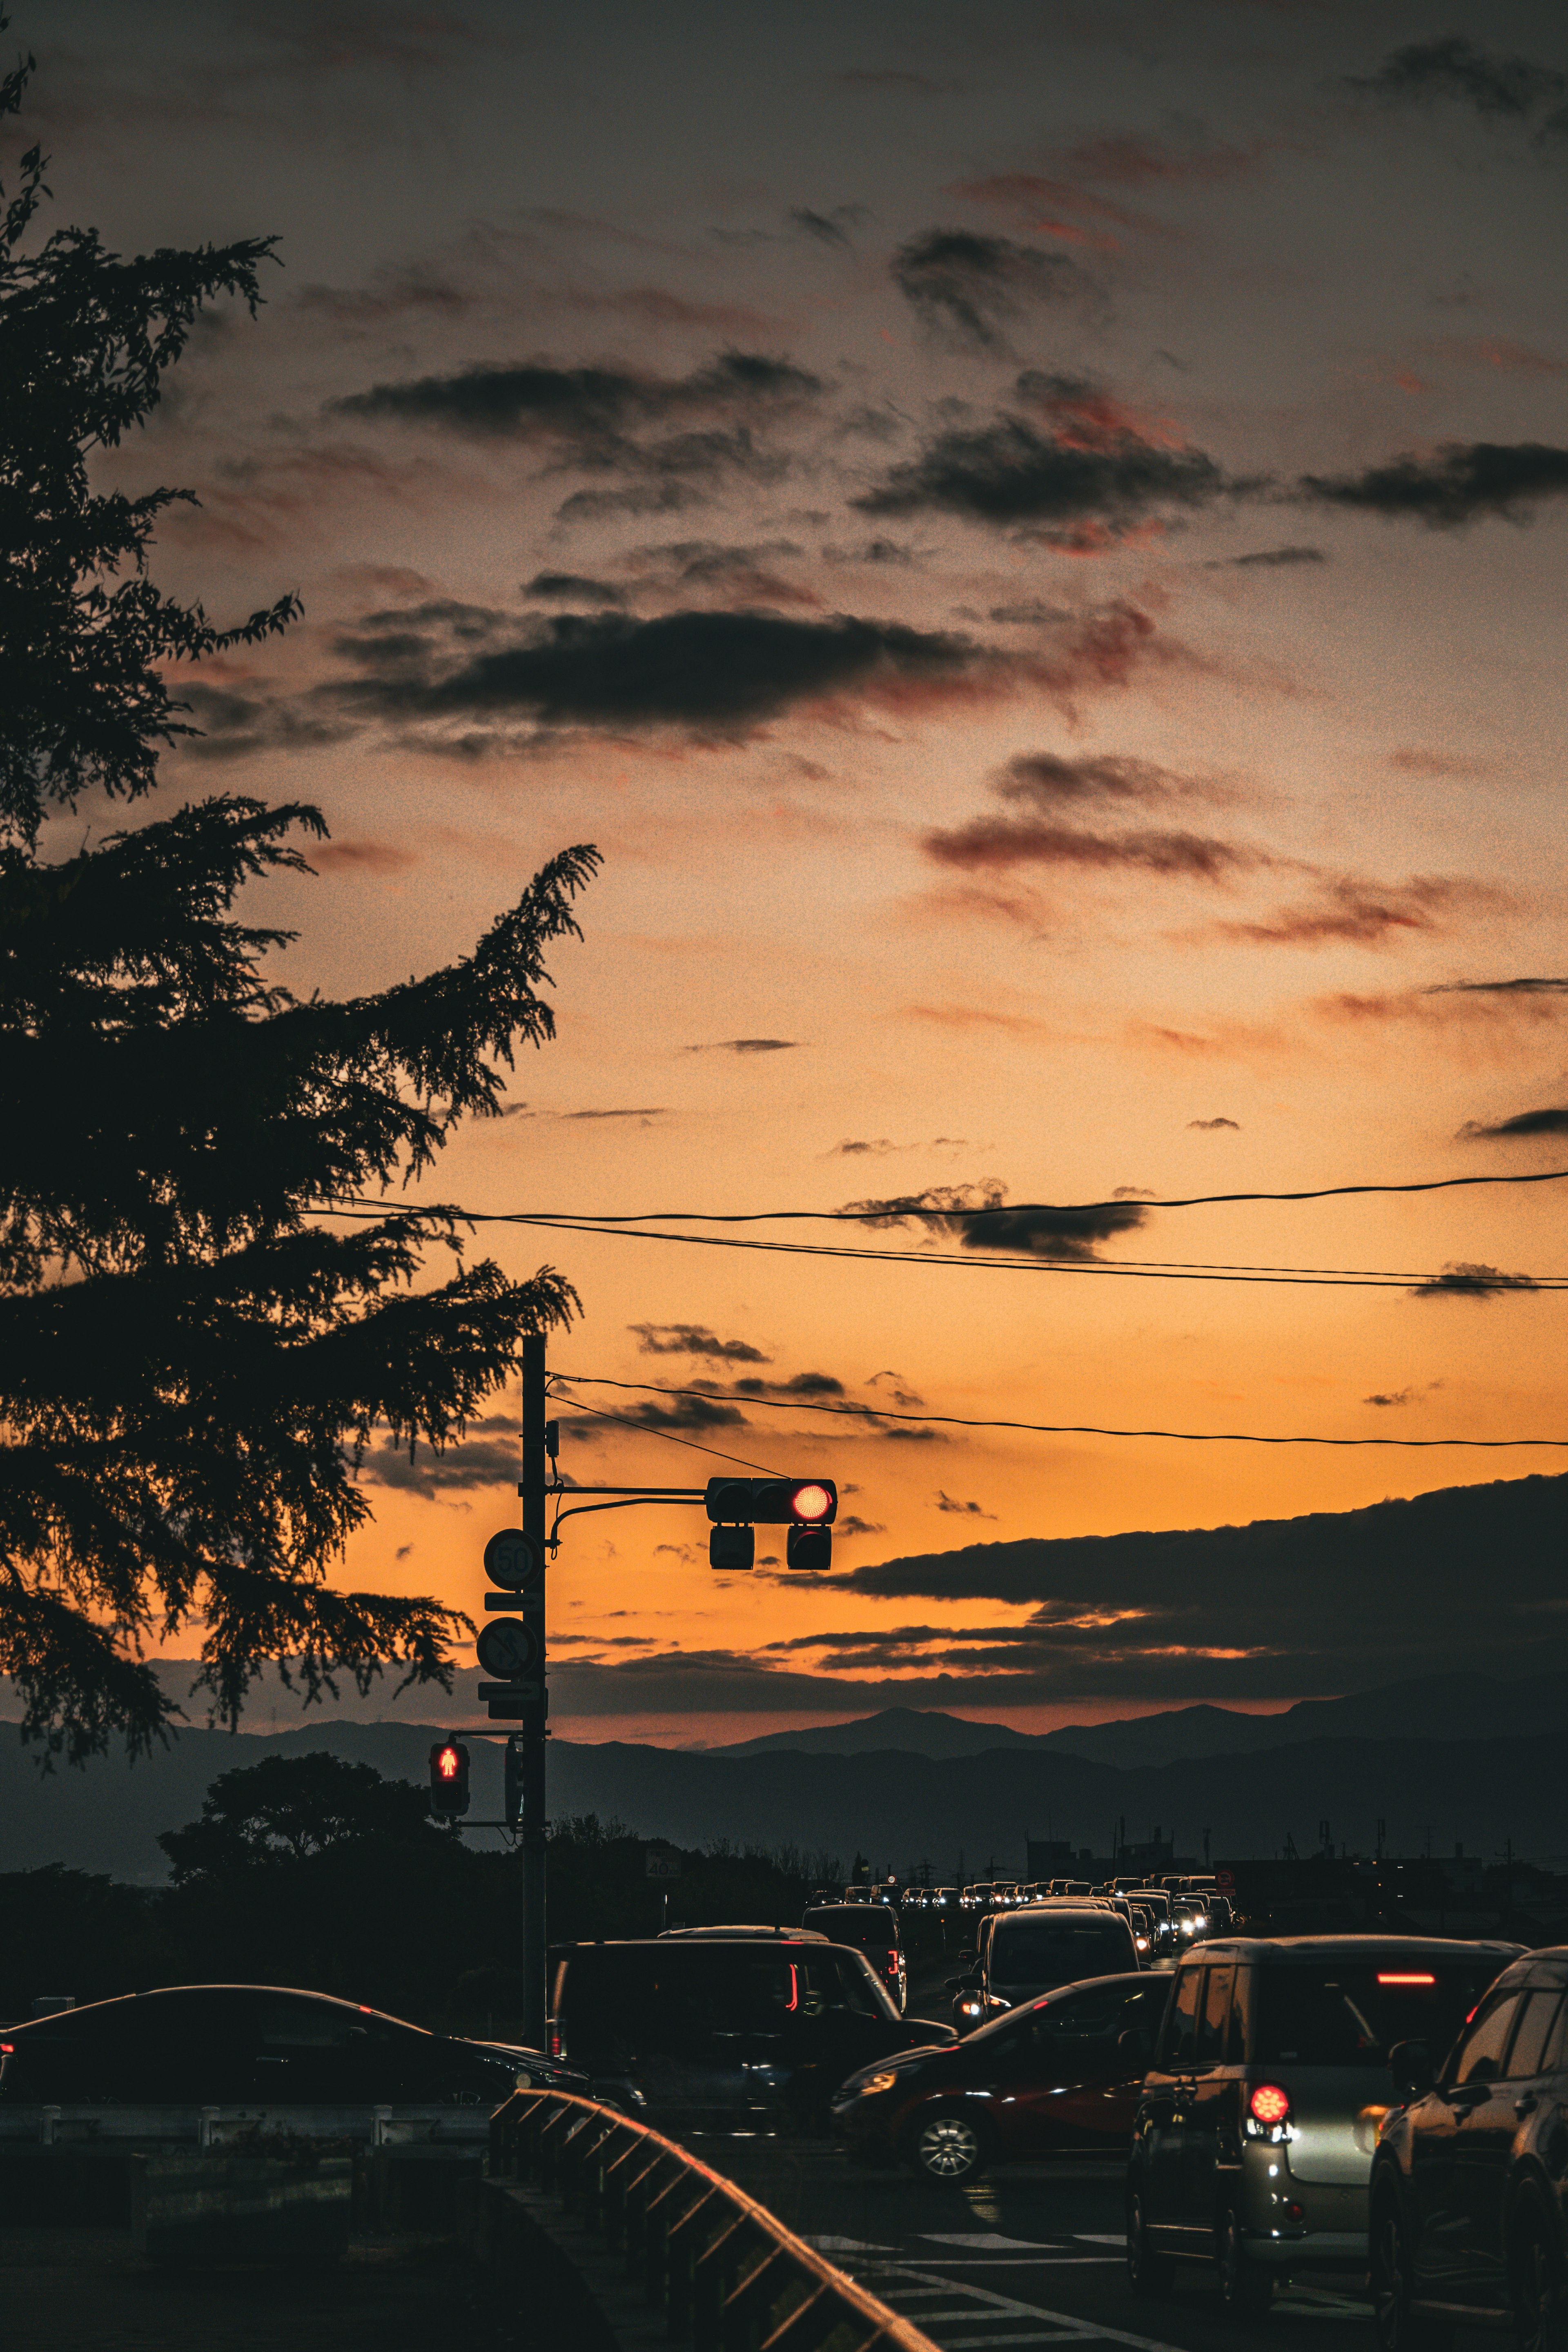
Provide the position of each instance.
(511, 1647)
(732, 1547)
(772, 1502)
(448, 1779)
(809, 1547)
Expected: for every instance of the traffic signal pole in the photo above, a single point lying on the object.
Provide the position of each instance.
(535, 1479)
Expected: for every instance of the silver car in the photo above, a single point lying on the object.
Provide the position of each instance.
(1253, 2142)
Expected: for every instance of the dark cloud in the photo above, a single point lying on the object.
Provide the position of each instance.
(573, 588)
(1465, 1281)
(1268, 559)
(1553, 1120)
(1366, 914)
(694, 1339)
(1554, 987)
(856, 1149)
(964, 287)
(1459, 482)
(1207, 1126)
(588, 411)
(1084, 474)
(977, 1215)
(490, 1455)
(809, 1385)
(1509, 89)
(719, 672)
(828, 228)
(1279, 1608)
(748, 1045)
(1045, 785)
(962, 1510)
(234, 726)
(897, 1390)
(851, 1526)
(895, 78)
(686, 1413)
(1394, 1396)
(647, 1113)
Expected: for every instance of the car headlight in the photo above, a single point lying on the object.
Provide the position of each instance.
(883, 2082)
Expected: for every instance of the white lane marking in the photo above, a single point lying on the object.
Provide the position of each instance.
(831, 2246)
(979, 2237)
(1088, 2238)
(1026, 2336)
(1068, 2326)
(1027, 2262)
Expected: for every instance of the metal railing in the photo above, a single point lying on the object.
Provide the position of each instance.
(726, 2274)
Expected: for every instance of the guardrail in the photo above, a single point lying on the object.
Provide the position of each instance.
(726, 2274)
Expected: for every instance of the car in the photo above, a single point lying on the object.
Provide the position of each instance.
(730, 1934)
(1466, 2201)
(704, 2034)
(227, 2045)
(1253, 2142)
(1020, 1957)
(868, 1927)
(1059, 2073)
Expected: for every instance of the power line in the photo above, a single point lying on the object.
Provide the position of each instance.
(1126, 1269)
(875, 1414)
(650, 1428)
(912, 1206)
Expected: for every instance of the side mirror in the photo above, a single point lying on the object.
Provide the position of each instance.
(1410, 2068)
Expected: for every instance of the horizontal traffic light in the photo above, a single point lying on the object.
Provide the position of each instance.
(772, 1502)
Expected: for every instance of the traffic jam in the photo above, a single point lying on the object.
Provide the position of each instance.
(1391, 2110)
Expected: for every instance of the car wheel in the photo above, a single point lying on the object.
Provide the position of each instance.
(1147, 2274)
(948, 2145)
(1400, 2327)
(1244, 2286)
(1540, 2319)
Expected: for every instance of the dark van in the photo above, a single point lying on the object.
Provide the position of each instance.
(713, 2036)
(868, 1927)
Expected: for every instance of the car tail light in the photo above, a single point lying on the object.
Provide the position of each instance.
(1269, 2105)
(1407, 1977)
(793, 2003)
(7, 2049)
(555, 2041)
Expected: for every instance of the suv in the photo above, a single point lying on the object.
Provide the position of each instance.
(1466, 2218)
(868, 1927)
(222, 2045)
(701, 2034)
(1020, 1958)
(1254, 2136)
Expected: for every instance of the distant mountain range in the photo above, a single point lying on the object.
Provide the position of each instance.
(1438, 1706)
(1447, 1760)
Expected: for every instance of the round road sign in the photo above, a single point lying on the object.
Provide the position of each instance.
(509, 1649)
(514, 1560)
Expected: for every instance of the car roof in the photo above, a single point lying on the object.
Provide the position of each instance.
(742, 1935)
(1283, 1949)
(1058, 1911)
(165, 1993)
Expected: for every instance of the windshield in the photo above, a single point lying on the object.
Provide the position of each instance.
(1050, 1951)
(1352, 2013)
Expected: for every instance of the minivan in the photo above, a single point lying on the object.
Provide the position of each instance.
(1024, 1954)
(1253, 2141)
(705, 2035)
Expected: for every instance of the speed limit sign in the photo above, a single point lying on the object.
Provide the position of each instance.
(514, 1560)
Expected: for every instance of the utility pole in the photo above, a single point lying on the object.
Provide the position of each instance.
(535, 1478)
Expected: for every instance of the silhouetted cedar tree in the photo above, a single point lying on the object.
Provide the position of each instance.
(192, 1362)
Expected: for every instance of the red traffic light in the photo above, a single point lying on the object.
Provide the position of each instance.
(772, 1502)
(448, 1779)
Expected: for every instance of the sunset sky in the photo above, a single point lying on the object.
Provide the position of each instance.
(1033, 540)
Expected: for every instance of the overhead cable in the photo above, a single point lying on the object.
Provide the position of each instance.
(877, 1413)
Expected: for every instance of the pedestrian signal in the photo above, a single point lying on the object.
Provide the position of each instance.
(448, 1779)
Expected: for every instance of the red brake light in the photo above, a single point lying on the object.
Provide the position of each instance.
(1269, 2105)
(555, 2046)
(793, 2001)
(1405, 1977)
(811, 1502)
(7, 2049)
